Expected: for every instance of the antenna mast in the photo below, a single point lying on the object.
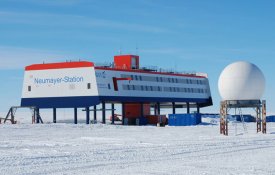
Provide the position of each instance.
(136, 49)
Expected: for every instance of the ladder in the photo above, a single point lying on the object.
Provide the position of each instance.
(235, 123)
(242, 120)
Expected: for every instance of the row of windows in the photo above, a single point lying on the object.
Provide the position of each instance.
(72, 86)
(154, 88)
(185, 90)
(165, 89)
(164, 79)
(141, 88)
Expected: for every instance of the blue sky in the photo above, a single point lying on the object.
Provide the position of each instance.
(188, 35)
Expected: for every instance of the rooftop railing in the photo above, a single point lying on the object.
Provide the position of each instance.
(152, 69)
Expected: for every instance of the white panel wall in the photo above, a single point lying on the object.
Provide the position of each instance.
(104, 80)
(69, 82)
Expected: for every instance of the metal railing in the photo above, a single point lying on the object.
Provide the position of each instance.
(152, 69)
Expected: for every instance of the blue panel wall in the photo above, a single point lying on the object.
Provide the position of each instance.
(270, 118)
(153, 99)
(247, 118)
(84, 101)
(184, 119)
(61, 102)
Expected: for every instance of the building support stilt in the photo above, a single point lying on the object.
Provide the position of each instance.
(188, 107)
(75, 115)
(174, 107)
(103, 112)
(198, 108)
(113, 113)
(158, 108)
(141, 114)
(37, 115)
(123, 113)
(87, 115)
(12, 115)
(155, 109)
(141, 110)
(95, 112)
(54, 115)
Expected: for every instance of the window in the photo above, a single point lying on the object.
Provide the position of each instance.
(29, 88)
(159, 89)
(89, 86)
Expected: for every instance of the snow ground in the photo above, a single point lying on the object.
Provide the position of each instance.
(106, 149)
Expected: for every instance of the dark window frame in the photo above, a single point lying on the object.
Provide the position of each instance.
(88, 85)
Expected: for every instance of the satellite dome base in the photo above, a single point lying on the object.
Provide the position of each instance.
(243, 103)
(259, 105)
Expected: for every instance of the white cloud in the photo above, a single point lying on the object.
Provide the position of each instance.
(75, 21)
(18, 58)
(50, 2)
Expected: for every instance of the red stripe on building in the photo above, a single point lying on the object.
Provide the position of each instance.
(62, 65)
(147, 72)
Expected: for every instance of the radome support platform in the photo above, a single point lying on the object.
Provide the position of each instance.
(259, 106)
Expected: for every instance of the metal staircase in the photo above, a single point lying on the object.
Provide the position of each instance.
(36, 118)
(242, 120)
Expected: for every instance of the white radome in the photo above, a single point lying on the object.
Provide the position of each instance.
(241, 81)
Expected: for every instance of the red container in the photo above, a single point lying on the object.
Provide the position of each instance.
(154, 119)
(133, 110)
(126, 62)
